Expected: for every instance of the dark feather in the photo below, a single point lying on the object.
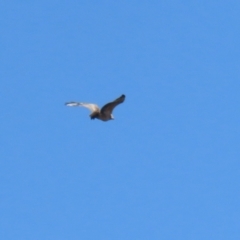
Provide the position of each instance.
(108, 108)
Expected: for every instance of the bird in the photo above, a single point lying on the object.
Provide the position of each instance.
(104, 114)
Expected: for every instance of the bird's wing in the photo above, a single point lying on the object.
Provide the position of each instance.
(108, 108)
(92, 107)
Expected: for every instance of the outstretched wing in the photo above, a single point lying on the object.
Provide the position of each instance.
(92, 107)
(108, 108)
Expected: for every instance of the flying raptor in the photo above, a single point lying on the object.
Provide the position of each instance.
(104, 114)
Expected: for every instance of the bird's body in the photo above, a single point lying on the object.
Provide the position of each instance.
(104, 114)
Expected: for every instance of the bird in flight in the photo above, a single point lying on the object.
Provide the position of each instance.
(104, 114)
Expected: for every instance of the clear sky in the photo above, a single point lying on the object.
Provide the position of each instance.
(167, 167)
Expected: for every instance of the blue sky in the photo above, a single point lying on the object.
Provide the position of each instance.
(167, 167)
